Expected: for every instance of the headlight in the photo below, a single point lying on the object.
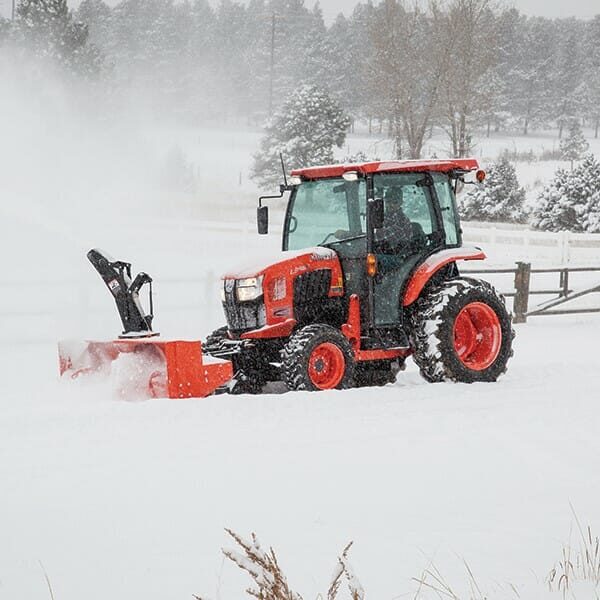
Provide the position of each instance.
(249, 289)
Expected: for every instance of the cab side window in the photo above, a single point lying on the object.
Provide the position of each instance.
(445, 195)
(416, 207)
(400, 191)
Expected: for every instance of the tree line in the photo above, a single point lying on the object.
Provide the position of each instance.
(458, 65)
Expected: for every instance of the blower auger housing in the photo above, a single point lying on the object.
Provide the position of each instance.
(368, 275)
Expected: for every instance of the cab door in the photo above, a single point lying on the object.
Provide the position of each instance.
(411, 233)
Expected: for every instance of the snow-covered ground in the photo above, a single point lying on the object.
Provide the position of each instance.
(129, 500)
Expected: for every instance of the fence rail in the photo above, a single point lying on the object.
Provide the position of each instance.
(522, 290)
(561, 247)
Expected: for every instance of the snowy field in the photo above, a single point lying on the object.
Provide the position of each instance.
(129, 500)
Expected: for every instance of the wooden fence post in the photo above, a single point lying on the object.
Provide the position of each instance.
(521, 302)
(564, 283)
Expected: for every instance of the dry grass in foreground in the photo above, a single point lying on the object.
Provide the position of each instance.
(576, 566)
(270, 583)
(582, 565)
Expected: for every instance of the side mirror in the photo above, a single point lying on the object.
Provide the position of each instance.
(262, 219)
(375, 213)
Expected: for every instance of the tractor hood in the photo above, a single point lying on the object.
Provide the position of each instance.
(288, 263)
(265, 290)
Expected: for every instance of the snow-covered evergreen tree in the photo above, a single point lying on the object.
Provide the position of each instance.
(592, 216)
(574, 146)
(47, 28)
(499, 198)
(305, 130)
(531, 76)
(96, 15)
(571, 201)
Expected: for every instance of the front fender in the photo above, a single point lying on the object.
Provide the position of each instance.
(433, 264)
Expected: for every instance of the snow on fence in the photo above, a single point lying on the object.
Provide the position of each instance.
(520, 243)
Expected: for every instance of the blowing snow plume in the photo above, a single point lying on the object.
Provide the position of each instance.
(80, 166)
(67, 149)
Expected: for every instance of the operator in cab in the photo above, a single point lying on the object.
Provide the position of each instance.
(399, 237)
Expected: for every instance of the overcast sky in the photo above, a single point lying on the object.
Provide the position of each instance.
(546, 8)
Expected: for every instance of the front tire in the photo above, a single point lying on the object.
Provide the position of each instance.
(461, 331)
(317, 357)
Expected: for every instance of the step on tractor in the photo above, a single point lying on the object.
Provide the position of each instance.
(368, 276)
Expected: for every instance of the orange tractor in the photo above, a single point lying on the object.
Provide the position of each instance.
(368, 275)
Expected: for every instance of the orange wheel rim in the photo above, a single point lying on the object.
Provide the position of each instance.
(477, 336)
(326, 366)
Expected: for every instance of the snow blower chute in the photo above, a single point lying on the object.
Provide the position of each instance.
(139, 363)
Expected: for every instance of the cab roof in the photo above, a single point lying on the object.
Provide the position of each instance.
(390, 166)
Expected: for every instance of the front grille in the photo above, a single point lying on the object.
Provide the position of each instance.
(312, 287)
(243, 316)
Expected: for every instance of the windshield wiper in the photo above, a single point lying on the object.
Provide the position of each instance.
(348, 239)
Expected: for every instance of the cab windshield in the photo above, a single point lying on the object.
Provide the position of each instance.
(326, 211)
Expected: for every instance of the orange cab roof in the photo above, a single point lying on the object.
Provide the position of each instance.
(390, 166)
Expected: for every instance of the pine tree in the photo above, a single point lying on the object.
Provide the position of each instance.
(96, 15)
(571, 202)
(4, 30)
(47, 28)
(567, 89)
(530, 80)
(592, 217)
(592, 72)
(499, 198)
(305, 130)
(574, 146)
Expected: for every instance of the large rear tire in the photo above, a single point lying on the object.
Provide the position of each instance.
(317, 357)
(461, 331)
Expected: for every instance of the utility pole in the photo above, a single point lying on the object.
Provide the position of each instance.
(13, 10)
(272, 64)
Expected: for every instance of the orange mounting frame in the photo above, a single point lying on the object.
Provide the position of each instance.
(271, 331)
(351, 331)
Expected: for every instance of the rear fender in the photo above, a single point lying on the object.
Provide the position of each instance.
(433, 264)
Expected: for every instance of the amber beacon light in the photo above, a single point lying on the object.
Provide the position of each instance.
(371, 265)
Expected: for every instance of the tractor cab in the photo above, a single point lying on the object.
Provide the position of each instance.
(382, 220)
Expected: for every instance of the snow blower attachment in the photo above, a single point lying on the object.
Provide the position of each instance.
(138, 364)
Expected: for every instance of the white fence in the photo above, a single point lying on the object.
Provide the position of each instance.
(34, 311)
(512, 242)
